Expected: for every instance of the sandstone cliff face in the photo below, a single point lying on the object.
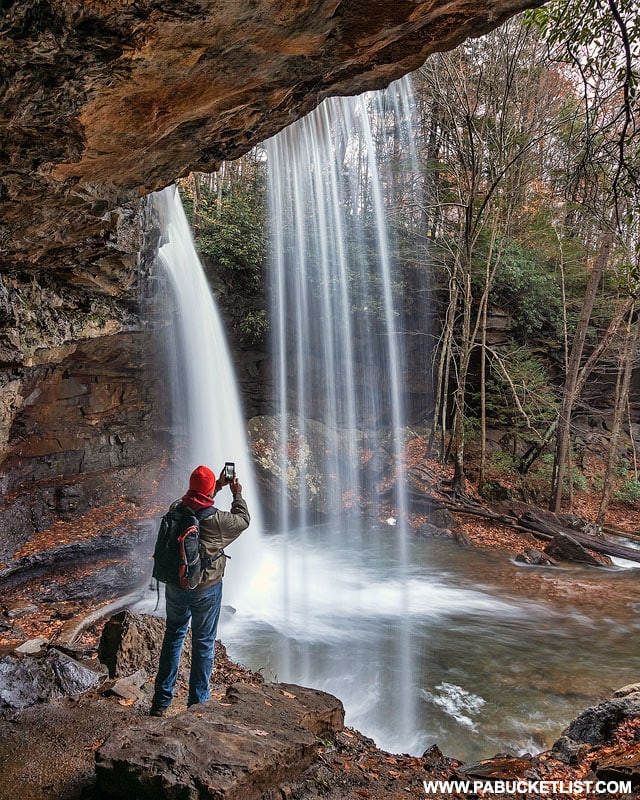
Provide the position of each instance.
(102, 102)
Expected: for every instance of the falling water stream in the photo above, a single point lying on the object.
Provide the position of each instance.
(417, 638)
(207, 409)
(337, 318)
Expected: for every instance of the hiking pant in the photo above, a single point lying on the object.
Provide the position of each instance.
(202, 607)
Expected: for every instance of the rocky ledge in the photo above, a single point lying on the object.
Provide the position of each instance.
(81, 732)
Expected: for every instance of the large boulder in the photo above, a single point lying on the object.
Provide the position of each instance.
(238, 748)
(26, 681)
(565, 548)
(131, 642)
(597, 725)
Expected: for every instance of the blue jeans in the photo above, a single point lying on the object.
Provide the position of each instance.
(202, 607)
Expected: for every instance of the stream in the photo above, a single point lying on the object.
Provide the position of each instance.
(428, 650)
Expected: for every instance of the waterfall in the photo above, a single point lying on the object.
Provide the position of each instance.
(335, 311)
(339, 357)
(405, 631)
(205, 399)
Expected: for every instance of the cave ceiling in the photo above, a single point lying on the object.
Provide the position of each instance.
(104, 101)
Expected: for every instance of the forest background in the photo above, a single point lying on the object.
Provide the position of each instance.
(516, 254)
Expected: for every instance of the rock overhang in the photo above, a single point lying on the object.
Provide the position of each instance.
(105, 102)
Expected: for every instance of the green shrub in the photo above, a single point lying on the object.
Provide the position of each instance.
(621, 469)
(255, 325)
(523, 287)
(502, 462)
(545, 472)
(629, 493)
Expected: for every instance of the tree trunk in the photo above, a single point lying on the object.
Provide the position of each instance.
(442, 382)
(577, 347)
(461, 392)
(196, 205)
(530, 456)
(625, 368)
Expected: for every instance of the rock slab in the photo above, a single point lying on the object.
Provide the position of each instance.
(238, 748)
(596, 725)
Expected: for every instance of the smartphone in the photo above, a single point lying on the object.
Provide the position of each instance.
(229, 470)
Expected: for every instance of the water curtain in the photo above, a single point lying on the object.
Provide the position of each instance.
(337, 322)
(337, 313)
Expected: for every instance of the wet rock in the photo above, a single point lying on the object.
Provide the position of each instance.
(630, 688)
(306, 478)
(430, 531)
(535, 557)
(130, 688)
(250, 742)
(621, 765)
(21, 609)
(443, 518)
(32, 647)
(27, 681)
(131, 642)
(434, 759)
(568, 751)
(20, 519)
(115, 563)
(596, 725)
(71, 676)
(565, 548)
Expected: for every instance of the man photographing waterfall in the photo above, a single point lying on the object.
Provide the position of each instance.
(194, 582)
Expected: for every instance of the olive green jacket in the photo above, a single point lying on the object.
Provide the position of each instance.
(216, 532)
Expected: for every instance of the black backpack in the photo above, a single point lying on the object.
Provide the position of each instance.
(176, 557)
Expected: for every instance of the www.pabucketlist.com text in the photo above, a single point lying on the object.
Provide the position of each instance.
(528, 788)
